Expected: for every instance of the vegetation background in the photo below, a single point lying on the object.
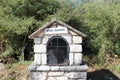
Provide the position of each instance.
(99, 19)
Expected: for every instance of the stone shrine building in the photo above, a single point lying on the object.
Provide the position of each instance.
(58, 53)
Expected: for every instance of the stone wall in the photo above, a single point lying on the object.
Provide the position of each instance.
(39, 70)
(75, 55)
(59, 73)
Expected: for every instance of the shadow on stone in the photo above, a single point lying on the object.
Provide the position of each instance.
(102, 74)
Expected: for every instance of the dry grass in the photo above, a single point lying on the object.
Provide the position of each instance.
(16, 71)
(19, 71)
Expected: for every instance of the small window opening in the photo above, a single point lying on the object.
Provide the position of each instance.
(57, 51)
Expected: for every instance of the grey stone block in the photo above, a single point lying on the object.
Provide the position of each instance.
(77, 39)
(77, 58)
(37, 59)
(81, 79)
(76, 75)
(71, 58)
(38, 75)
(37, 40)
(32, 66)
(63, 68)
(57, 78)
(43, 68)
(54, 68)
(75, 48)
(81, 68)
(67, 68)
(44, 59)
(54, 74)
(39, 48)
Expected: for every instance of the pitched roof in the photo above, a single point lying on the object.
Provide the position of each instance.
(47, 25)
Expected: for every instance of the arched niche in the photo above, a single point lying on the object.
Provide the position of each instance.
(57, 51)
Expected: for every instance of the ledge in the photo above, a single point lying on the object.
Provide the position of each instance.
(43, 68)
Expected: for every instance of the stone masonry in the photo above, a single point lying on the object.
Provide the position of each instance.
(39, 68)
(58, 72)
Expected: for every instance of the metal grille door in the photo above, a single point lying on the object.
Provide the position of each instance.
(57, 51)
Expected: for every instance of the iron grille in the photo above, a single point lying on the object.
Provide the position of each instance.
(57, 51)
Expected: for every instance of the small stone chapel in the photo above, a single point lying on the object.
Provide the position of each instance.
(58, 53)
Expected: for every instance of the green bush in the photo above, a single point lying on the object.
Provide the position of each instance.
(99, 20)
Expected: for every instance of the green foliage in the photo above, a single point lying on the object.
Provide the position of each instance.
(39, 9)
(99, 20)
(18, 19)
(7, 52)
(103, 22)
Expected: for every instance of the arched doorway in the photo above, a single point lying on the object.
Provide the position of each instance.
(57, 51)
